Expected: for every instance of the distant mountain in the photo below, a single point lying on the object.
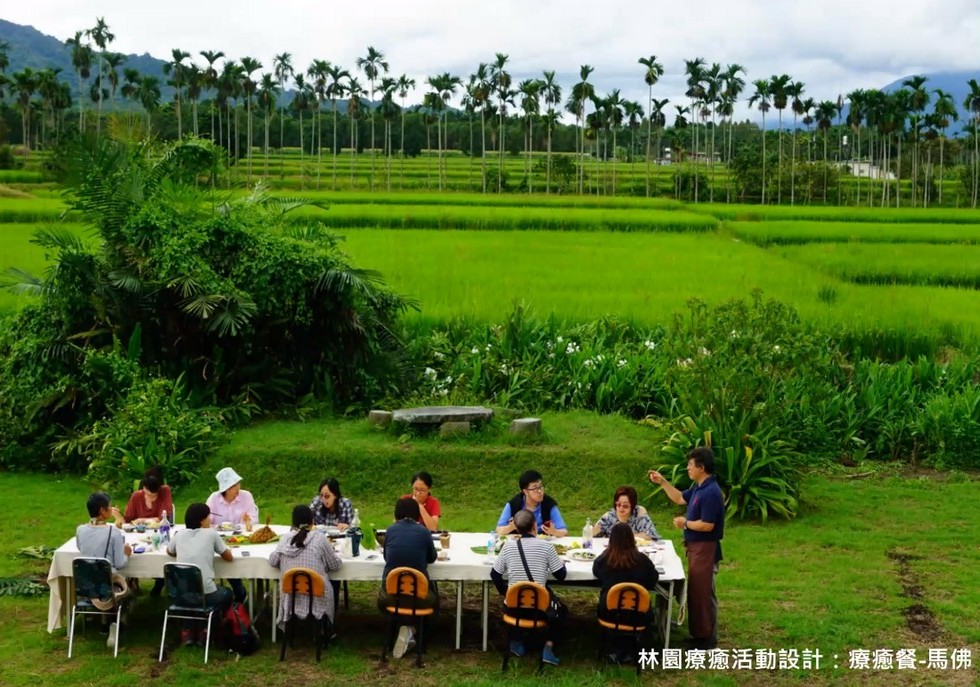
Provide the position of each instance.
(31, 48)
(953, 83)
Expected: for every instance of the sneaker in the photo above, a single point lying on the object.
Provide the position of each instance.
(403, 641)
(517, 648)
(110, 641)
(187, 638)
(548, 656)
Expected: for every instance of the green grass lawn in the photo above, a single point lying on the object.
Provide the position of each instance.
(833, 579)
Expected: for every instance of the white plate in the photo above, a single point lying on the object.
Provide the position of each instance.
(581, 555)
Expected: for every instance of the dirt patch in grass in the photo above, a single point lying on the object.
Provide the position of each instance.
(8, 192)
(919, 619)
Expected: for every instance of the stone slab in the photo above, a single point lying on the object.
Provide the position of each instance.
(436, 415)
(526, 426)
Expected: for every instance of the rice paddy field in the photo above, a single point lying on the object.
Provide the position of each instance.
(906, 273)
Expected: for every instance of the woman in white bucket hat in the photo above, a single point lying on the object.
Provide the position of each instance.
(232, 504)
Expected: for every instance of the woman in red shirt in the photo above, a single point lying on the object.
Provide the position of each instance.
(147, 504)
(429, 512)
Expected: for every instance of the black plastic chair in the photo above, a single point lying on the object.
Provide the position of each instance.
(93, 580)
(185, 589)
(311, 583)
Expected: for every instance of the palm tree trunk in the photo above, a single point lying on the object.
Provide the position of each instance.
(302, 174)
(792, 178)
(483, 148)
(547, 187)
(319, 142)
(941, 142)
(401, 165)
(333, 103)
(763, 158)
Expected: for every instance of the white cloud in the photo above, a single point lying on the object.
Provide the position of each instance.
(833, 46)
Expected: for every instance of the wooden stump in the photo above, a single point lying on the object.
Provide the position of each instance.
(526, 426)
(381, 418)
(454, 429)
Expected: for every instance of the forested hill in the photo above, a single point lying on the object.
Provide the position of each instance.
(31, 48)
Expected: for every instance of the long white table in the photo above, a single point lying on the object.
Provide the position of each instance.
(251, 562)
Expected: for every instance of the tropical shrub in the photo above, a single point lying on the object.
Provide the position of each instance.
(219, 293)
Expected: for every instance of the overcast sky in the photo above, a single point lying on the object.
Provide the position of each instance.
(833, 46)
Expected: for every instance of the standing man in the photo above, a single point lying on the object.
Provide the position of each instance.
(704, 527)
(532, 497)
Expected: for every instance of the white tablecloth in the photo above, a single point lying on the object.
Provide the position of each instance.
(252, 562)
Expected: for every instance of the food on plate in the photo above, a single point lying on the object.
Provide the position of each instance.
(581, 555)
(263, 534)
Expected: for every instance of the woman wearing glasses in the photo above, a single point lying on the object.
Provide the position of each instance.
(626, 511)
(330, 507)
(429, 511)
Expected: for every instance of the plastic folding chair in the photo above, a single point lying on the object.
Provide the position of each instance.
(93, 580)
(185, 589)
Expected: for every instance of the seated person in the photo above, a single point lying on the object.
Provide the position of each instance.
(429, 511)
(542, 561)
(307, 548)
(532, 497)
(99, 538)
(408, 544)
(197, 544)
(623, 562)
(330, 507)
(147, 503)
(233, 504)
(626, 511)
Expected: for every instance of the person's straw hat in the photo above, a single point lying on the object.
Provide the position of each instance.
(227, 478)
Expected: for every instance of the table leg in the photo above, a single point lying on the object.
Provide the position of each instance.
(459, 612)
(670, 614)
(485, 611)
(68, 599)
(274, 592)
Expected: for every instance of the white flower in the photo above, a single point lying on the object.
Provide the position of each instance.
(622, 362)
(704, 351)
(776, 348)
(503, 368)
(438, 356)
(443, 392)
(734, 334)
(489, 347)
(650, 344)
(551, 355)
(588, 362)
(560, 340)
(598, 358)
(429, 372)
(474, 350)
(572, 347)
(449, 380)
(579, 385)
(684, 363)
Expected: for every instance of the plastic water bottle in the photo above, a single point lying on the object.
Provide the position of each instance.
(164, 529)
(491, 546)
(587, 534)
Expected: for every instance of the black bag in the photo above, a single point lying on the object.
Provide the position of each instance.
(557, 611)
(242, 637)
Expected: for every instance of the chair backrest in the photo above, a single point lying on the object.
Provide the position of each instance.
(628, 596)
(527, 597)
(185, 584)
(406, 581)
(93, 577)
(303, 581)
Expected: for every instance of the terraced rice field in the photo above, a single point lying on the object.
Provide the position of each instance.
(910, 275)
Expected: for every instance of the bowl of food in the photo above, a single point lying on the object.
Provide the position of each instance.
(379, 536)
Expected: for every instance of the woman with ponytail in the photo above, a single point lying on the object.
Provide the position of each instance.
(304, 547)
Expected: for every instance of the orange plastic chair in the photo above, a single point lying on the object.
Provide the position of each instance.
(627, 614)
(525, 608)
(310, 582)
(407, 588)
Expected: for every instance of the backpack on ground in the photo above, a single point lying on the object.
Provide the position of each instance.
(242, 637)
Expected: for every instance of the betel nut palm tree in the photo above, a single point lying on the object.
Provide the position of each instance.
(651, 75)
